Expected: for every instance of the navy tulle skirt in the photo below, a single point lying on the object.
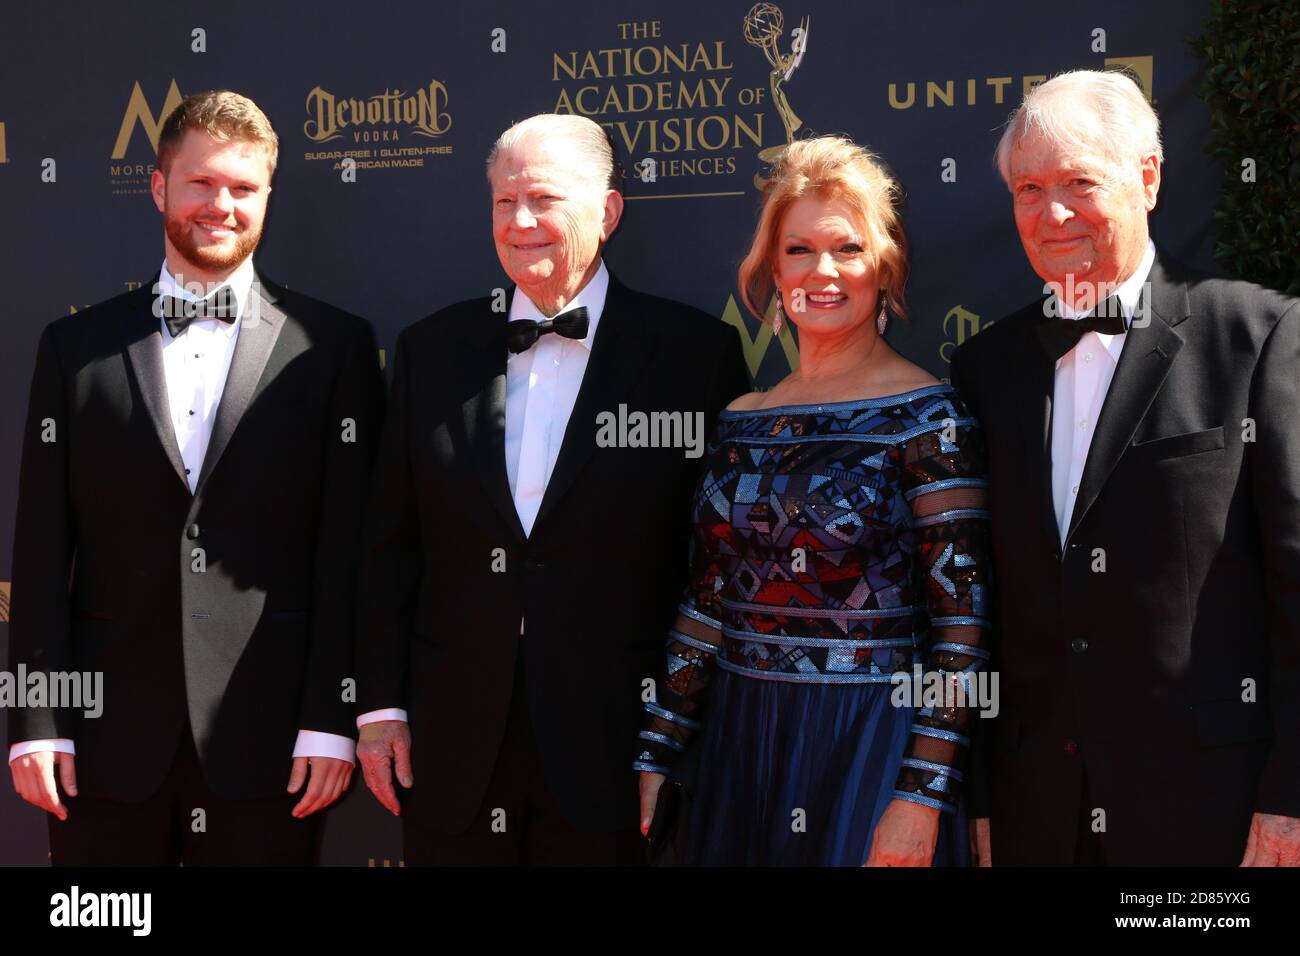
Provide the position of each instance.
(772, 748)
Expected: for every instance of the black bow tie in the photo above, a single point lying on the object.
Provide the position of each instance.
(179, 313)
(521, 335)
(1060, 335)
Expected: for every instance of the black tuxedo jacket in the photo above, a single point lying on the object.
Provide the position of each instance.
(1131, 652)
(598, 579)
(233, 605)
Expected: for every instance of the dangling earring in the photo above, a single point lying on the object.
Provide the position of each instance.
(778, 316)
(882, 319)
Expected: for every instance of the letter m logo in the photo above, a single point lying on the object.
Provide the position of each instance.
(756, 346)
(137, 111)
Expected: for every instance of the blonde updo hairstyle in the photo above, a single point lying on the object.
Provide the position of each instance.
(830, 168)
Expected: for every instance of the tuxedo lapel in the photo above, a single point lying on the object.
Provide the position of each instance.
(144, 350)
(259, 329)
(1040, 373)
(1144, 362)
(483, 377)
(618, 352)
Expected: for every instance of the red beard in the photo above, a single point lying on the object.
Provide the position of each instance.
(182, 236)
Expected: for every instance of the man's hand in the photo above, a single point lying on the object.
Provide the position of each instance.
(34, 779)
(1274, 841)
(981, 845)
(329, 779)
(385, 748)
(650, 784)
(905, 835)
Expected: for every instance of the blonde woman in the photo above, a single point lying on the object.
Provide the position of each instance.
(841, 539)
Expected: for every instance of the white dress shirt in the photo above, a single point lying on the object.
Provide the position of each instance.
(196, 364)
(1083, 378)
(542, 384)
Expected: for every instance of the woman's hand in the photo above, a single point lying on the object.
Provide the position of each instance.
(905, 836)
(650, 784)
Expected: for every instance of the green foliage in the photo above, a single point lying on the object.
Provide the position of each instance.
(1251, 50)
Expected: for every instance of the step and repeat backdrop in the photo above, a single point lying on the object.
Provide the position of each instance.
(698, 97)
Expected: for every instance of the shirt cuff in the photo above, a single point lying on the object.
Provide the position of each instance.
(58, 744)
(317, 743)
(388, 713)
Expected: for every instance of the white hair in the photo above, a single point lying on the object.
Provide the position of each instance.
(1087, 111)
(588, 137)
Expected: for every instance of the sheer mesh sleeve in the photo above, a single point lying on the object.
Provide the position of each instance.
(682, 696)
(945, 482)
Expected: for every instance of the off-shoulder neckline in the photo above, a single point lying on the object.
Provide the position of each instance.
(880, 400)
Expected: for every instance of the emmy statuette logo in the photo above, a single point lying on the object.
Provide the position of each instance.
(763, 27)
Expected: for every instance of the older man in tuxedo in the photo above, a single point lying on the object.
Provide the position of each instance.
(196, 459)
(519, 573)
(1145, 489)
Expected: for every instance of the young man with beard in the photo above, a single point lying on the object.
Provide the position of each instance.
(196, 455)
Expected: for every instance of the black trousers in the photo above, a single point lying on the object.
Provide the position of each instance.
(1087, 848)
(184, 822)
(519, 822)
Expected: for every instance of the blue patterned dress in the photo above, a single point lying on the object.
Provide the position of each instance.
(836, 545)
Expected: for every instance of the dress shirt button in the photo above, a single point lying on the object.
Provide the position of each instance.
(1074, 490)
(1088, 357)
(1071, 746)
(193, 532)
(1083, 423)
(1079, 645)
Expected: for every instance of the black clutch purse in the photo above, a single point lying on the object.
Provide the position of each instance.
(670, 825)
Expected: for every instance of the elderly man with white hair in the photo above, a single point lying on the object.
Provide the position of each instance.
(1145, 496)
(523, 562)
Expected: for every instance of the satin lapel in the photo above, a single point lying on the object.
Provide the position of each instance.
(619, 352)
(483, 377)
(1144, 363)
(144, 349)
(1040, 371)
(258, 333)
